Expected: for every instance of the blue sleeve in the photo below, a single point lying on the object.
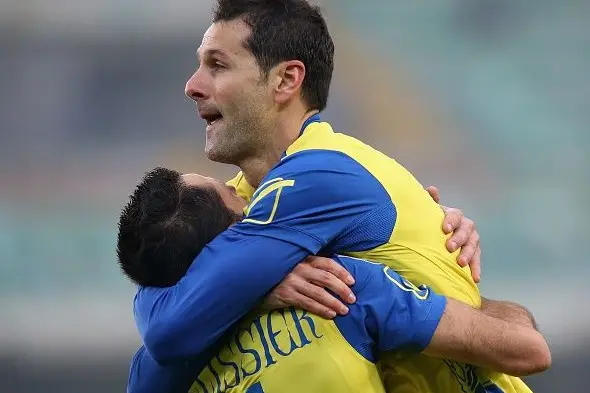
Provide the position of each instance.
(319, 198)
(304, 204)
(146, 376)
(390, 312)
(226, 280)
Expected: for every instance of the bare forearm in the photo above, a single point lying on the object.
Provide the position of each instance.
(508, 311)
(468, 335)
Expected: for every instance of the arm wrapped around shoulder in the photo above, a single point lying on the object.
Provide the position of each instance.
(469, 335)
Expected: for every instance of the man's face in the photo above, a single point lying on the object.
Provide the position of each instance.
(228, 194)
(232, 95)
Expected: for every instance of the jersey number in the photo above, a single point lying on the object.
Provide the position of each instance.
(256, 388)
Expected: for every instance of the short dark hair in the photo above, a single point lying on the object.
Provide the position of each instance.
(165, 225)
(287, 30)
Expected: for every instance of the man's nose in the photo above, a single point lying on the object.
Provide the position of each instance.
(195, 88)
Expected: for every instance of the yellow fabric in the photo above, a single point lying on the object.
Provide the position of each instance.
(416, 250)
(273, 353)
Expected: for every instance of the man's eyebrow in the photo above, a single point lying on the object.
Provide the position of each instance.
(212, 52)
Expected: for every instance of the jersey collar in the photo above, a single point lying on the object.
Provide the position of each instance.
(312, 119)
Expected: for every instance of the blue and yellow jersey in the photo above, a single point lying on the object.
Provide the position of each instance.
(329, 194)
(400, 225)
(291, 351)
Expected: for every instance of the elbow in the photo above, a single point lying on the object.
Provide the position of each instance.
(169, 342)
(532, 365)
(158, 345)
(536, 360)
(544, 362)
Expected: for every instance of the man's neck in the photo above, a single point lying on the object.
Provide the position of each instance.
(255, 169)
(288, 130)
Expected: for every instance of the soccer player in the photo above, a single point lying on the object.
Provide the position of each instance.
(169, 220)
(264, 75)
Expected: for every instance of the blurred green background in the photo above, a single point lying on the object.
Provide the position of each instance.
(487, 99)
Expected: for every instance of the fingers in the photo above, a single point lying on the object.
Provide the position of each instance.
(318, 301)
(331, 266)
(434, 194)
(317, 271)
(464, 236)
(315, 285)
(294, 291)
(453, 221)
(475, 265)
(469, 249)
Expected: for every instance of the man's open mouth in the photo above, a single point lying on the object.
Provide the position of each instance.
(212, 118)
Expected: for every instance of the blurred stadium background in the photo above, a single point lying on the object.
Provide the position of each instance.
(487, 99)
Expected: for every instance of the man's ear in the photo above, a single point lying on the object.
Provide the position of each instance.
(289, 78)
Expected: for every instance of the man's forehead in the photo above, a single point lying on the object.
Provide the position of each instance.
(194, 179)
(224, 38)
(198, 179)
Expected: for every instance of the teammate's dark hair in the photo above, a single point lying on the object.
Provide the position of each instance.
(165, 225)
(287, 30)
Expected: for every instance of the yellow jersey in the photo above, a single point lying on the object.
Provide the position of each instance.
(394, 221)
(291, 351)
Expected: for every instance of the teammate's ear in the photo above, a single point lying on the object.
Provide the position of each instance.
(290, 75)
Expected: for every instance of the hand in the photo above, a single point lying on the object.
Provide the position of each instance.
(305, 287)
(465, 236)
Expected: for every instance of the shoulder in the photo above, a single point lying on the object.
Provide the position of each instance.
(356, 326)
(363, 271)
(371, 279)
(319, 158)
(313, 183)
(332, 171)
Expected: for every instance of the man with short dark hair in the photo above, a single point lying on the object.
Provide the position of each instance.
(264, 75)
(170, 217)
(166, 223)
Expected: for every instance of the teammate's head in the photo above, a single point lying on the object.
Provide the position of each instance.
(258, 59)
(168, 220)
